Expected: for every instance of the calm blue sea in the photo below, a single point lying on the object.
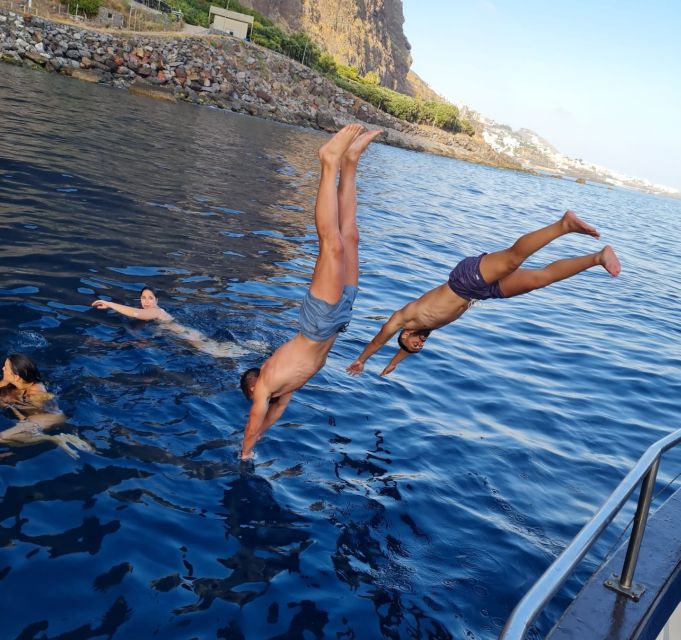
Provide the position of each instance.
(419, 506)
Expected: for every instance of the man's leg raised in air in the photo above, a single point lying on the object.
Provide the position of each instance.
(347, 204)
(526, 280)
(496, 266)
(328, 278)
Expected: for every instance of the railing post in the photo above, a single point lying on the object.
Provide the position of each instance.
(639, 528)
(624, 584)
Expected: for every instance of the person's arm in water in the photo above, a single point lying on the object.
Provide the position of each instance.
(388, 330)
(156, 313)
(11, 397)
(396, 359)
(33, 419)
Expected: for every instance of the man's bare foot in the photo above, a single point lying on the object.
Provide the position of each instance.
(608, 259)
(573, 224)
(332, 151)
(361, 142)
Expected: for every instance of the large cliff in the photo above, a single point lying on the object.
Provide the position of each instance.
(366, 34)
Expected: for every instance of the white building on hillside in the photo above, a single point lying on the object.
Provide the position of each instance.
(230, 22)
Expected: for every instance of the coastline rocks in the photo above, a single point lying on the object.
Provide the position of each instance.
(221, 71)
(86, 75)
(145, 88)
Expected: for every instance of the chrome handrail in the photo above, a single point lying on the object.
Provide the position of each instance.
(553, 578)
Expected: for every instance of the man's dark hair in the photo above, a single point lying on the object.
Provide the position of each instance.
(24, 367)
(246, 380)
(403, 344)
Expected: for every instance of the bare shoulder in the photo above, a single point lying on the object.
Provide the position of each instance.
(164, 316)
(264, 390)
(38, 387)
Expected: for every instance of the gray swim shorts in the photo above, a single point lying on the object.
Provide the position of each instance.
(466, 281)
(319, 320)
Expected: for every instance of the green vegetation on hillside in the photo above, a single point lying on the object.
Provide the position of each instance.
(300, 47)
(437, 114)
(88, 6)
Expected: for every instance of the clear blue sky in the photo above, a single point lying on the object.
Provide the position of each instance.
(600, 80)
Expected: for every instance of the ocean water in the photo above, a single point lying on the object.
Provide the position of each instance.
(419, 506)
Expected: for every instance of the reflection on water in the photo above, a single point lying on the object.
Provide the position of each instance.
(417, 507)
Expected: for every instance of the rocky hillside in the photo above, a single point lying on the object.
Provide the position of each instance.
(367, 35)
(419, 88)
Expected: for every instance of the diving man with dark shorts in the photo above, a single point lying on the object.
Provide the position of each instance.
(327, 308)
(489, 275)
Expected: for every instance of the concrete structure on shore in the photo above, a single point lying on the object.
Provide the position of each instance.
(110, 18)
(230, 22)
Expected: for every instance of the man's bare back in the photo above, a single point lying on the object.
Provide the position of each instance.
(434, 309)
(293, 364)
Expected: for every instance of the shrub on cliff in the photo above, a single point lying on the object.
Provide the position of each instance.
(437, 114)
(371, 77)
(327, 65)
(194, 11)
(351, 73)
(88, 6)
(444, 116)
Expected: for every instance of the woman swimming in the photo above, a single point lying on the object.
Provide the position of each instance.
(151, 311)
(149, 307)
(23, 392)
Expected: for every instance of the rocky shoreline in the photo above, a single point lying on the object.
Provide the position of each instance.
(221, 71)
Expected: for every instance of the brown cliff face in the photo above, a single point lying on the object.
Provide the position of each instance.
(366, 34)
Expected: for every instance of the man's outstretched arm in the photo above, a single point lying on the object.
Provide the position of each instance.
(261, 418)
(396, 359)
(275, 410)
(388, 330)
(256, 418)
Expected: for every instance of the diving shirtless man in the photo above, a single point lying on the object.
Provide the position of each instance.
(327, 307)
(490, 275)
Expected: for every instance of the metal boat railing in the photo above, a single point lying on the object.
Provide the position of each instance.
(553, 578)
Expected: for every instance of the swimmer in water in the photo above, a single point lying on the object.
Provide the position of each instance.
(490, 275)
(327, 307)
(149, 310)
(22, 391)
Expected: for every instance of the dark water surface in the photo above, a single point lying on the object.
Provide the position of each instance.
(421, 506)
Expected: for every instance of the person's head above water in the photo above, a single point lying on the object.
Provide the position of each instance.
(148, 298)
(20, 368)
(248, 380)
(412, 341)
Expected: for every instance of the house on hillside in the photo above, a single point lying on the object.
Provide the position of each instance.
(110, 18)
(230, 22)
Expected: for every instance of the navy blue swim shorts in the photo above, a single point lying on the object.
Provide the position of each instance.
(466, 281)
